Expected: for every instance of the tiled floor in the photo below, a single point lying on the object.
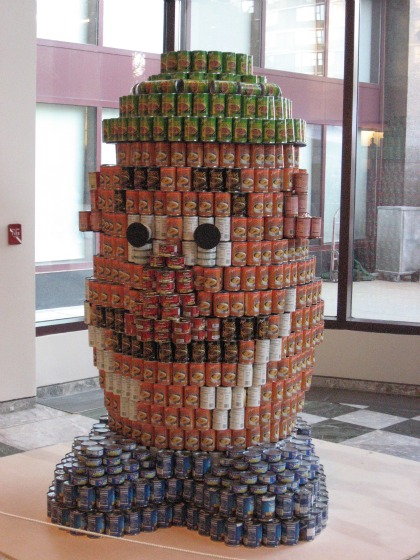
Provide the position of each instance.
(368, 443)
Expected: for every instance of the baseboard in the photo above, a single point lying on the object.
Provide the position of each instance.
(381, 387)
(70, 388)
(17, 405)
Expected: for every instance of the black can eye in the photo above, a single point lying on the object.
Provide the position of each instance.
(138, 234)
(207, 236)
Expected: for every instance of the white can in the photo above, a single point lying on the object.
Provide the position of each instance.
(117, 383)
(290, 304)
(189, 225)
(189, 252)
(244, 375)
(205, 220)
(100, 359)
(132, 411)
(224, 398)
(275, 352)
(91, 335)
(134, 219)
(108, 363)
(253, 396)
(135, 388)
(208, 398)
(161, 227)
(237, 419)
(223, 225)
(238, 397)
(224, 253)
(149, 222)
(259, 376)
(262, 351)
(124, 407)
(220, 420)
(285, 323)
(100, 339)
(125, 386)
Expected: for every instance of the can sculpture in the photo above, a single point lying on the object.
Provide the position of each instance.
(203, 312)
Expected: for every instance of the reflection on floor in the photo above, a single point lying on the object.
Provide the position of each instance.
(368, 443)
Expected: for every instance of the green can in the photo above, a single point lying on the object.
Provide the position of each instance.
(290, 131)
(194, 86)
(229, 62)
(106, 130)
(249, 79)
(208, 129)
(250, 89)
(217, 104)
(133, 129)
(197, 75)
(132, 105)
(154, 104)
(228, 77)
(240, 130)
(289, 109)
(184, 61)
(249, 106)
(300, 131)
(179, 75)
(175, 130)
(164, 62)
(265, 107)
(279, 108)
(191, 129)
(272, 89)
(262, 79)
(172, 61)
(224, 129)
(200, 104)
(159, 128)
(215, 61)
(223, 86)
(122, 105)
(269, 131)
(255, 131)
(122, 124)
(168, 104)
(281, 133)
(233, 105)
(242, 64)
(145, 129)
(250, 64)
(142, 104)
(184, 103)
(199, 61)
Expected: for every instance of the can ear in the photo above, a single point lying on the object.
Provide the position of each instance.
(207, 236)
(138, 234)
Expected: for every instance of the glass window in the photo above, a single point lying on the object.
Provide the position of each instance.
(135, 25)
(386, 244)
(74, 21)
(108, 151)
(212, 29)
(65, 154)
(336, 21)
(295, 36)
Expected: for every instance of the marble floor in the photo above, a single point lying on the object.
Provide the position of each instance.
(369, 444)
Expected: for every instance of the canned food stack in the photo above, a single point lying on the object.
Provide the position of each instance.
(204, 309)
(268, 494)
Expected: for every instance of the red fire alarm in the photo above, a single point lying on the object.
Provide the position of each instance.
(14, 233)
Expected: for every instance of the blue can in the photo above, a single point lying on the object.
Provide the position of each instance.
(132, 521)
(272, 455)
(94, 462)
(147, 473)
(252, 537)
(245, 504)
(290, 531)
(199, 494)
(217, 528)
(265, 507)
(174, 488)
(70, 492)
(188, 490)
(131, 466)
(285, 505)
(96, 523)
(219, 470)
(142, 492)
(307, 528)
(165, 464)
(278, 467)
(303, 500)
(239, 488)
(211, 479)
(192, 518)
(164, 515)
(227, 503)
(234, 452)
(115, 524)
(98, 482)
(180, 514)
(234, 532)
(201, 465)
(204, 519)
(54, 511)
(289, 452)
(211, 499)
(293, 464)
(158, 491)
(124, 496)
(86, 499)
(63, 515)
(105, 498)
(78, 520)
(111, 461)
(303, 475)
(269, 477)
(141, 453)
(248, 477)
(317, 513)
(271, 533)
(128, 444)
(132, 476)
(258, 489)
(116, 478)
(59, 481)
(114, 469)
(149, 521)
(183, 464)
(252, 456)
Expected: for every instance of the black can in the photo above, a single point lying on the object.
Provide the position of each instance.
(200, 179)
(217, 179)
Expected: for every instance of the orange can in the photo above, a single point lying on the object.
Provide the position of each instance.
(183, 179)
(261, 277)
(255, 229)
(288, 179)
(189, 204)
(211, 154)
(232, 278)
(236, 304)
(278, 203)
(203, 419)
(246, 351)
(238, 229)
(261, 176)
(146, 202)
(275, 180)
(265, 414)
(161, 439)
(269, 155)
(248, 279)
(253, 436)
(167, 178)
(213, 374)
(213, 279)
(195, 154)
(160, 394)
(266, 252)
(191, 396)
(222, 204)
(174, 227)
(276, 276)
(229, 375)
(239, 438)
(253, 257)
(171, 417)
(268, 204)
(176, 438)
(266, 302)
(186, 418)
(178, 154)
(252, 304)
(180, 374)
(256, 205)
(192, 440)
(223, 439)
(173, 203)
(239, 253)
(175, 395)
(257, 155)
(205, 204)
(242, 156)
(157, 415)
(208, 440)
(247, 180)
(197, 374)
(227, 154)
(252, 416)
(164, 373)
(221, 303)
